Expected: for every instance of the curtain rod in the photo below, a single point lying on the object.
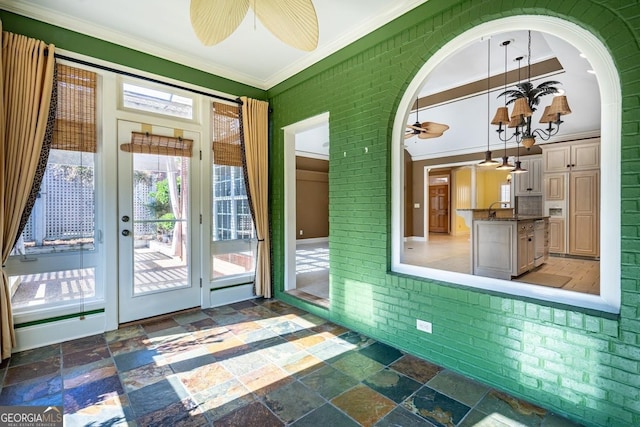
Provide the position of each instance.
(149, 79)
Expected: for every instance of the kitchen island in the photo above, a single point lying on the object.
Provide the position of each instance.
(509, 246)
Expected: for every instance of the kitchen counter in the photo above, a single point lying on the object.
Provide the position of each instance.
(510, 246)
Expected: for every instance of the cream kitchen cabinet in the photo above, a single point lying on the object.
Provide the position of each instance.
(584, 203)
(569, 157)
(529, 183)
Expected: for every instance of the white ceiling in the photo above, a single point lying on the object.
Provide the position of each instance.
(252, 55)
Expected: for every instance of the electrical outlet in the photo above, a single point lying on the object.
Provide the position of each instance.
(301, 232)
(424, 326)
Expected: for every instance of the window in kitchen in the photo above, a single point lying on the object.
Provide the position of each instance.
(476, 192)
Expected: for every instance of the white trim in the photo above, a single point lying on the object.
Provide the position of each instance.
(57, 332)
(610, 92)
(312, 241)
(65, 21)
(224, 296)
(415, 239)
(310, 155)
(289, 153)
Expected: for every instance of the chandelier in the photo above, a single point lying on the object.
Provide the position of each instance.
(525, 98)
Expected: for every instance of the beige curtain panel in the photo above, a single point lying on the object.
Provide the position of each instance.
(27, 83)
(255, 132)
(226, 135)
(148, 143)
(75, 126)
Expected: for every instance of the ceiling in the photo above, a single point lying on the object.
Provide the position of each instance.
(252, 55)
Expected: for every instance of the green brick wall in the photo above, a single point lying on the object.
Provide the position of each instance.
(580, 364)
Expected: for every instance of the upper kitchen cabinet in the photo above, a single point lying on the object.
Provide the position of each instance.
(529, 183)
(574, 156)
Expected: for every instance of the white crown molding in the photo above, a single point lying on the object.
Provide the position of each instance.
(337, 44)
(83, 27)
(65, 21)
(310, 155)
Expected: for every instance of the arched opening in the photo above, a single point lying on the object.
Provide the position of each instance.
(554, 31)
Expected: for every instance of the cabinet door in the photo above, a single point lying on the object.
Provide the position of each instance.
(556, 235)
(585, 156)
(554, 186)
(521, 180)
(535, 176)
(531, 250)
(584, 227)
(556, 159)
(523, 247)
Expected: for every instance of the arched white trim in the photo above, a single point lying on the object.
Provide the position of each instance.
(610, 93)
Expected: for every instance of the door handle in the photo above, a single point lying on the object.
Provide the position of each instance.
(125, 232)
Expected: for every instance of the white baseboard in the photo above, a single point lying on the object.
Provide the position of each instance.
(415, 239)
(311, 241)
(224, 296)
(44, 334)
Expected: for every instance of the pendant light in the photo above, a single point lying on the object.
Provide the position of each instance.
(488, 160)
(500, 118)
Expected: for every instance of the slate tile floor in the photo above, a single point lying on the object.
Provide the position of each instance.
(259, 363)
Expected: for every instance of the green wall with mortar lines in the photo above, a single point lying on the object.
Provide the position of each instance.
(574, 362)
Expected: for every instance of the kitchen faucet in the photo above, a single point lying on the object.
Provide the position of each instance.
(493, 214)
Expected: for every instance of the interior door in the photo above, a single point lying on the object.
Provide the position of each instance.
(156, 237)
(439, 209)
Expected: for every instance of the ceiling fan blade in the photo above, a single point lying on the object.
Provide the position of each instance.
(433, 127)
(429, 135)
(293, 21)
(215, 20)
(409, 135)
(416, 127)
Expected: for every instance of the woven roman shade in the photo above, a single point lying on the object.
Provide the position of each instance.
(226, 135)
(75, 125)
(147, 143)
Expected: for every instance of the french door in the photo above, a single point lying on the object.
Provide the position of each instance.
(156, 234)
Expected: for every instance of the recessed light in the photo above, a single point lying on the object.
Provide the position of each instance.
(582, 55)
(591, 71)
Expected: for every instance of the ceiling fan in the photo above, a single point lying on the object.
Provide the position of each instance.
(294, 22)
(424, 130)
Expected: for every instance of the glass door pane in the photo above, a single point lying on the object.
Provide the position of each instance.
(160, 205)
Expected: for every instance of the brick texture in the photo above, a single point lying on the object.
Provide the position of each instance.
(582, 365)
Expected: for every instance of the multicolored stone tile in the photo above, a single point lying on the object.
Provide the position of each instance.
(26, 392)
(458, 387)
(84, 357)
(393, 385)
(190, 360)
(157, 396)
(135, 359)
(222, 399)
(205, 377)
(243, 327)
(253, 414)
(364, 405)
(326, 415)
(292, 401)
(256, 312)
(266, 379)
(92, 393)
(331, 330)
(200, 325)
(35, 355)
(330, 350)
(301, 364)
(244, 363)
(278, 350)
(476, 418)
(128, 345)
(159, 325)
(124, 333)
(114, 411)
(355, 339)
(436, 407)
(144, 376)
(511, 408)
(357, 365)
(84, 374)
(29, 371)
(184, 413)
(416, 368)
(190, 317)
(329, 382)
(84, 344)
(400, 417)
(381, 353)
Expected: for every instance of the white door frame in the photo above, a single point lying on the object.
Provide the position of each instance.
(290, 237)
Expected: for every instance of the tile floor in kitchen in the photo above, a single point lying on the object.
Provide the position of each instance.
(256, 363)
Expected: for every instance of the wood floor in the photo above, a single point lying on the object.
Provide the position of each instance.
(452, 253)
(443, 252)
